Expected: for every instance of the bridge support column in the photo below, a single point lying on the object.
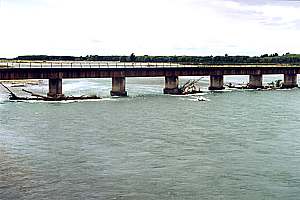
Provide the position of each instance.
(55, 88)
(118, 87)
(171, 85)
(216, 82)
(255, 81)
(290, 81)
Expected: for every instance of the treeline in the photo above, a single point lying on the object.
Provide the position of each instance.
(271, 59)
(68, 58)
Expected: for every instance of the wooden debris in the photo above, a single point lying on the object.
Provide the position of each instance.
(278, 84)
(190, 87)
(38, 97)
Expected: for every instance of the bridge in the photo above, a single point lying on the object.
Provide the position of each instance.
(55, 72)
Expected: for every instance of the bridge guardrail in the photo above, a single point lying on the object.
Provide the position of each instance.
(87, 65)
(117, 65)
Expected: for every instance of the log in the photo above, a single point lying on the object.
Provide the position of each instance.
(62, 98)
(39, 97)
(36, 95)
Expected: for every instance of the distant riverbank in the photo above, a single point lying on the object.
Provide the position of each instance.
(274, 58)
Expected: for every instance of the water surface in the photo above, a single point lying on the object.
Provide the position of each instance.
(239, 145)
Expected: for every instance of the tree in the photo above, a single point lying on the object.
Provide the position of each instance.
(264, 55)
(132, 57)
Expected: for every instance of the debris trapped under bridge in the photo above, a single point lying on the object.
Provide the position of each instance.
(55, 72)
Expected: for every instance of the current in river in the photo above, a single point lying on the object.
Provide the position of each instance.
(238, 145)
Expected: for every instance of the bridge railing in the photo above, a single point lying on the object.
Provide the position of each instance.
(86, 65)
(115, 65)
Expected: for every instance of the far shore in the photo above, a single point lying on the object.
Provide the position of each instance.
(26, 81)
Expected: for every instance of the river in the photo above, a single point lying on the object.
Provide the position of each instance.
(239, 145)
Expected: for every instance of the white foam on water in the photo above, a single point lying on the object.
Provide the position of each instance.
(178, 95)
(284, 89)
(189, 95)
(220, 91)
(3, 97)
(196, 100)
(65, 102)
(198, 94)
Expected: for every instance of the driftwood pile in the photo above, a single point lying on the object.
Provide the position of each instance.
(278, 84)
(190, 87)
(38, 97)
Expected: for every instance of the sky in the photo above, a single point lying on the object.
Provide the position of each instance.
(149, 27)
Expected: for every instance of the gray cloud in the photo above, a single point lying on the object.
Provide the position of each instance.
(247, 11)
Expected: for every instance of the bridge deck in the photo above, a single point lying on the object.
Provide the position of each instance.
(46, 70)
(57, 71)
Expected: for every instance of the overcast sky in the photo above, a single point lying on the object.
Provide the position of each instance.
(153, 27)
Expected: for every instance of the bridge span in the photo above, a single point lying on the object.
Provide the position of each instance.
(56, 71)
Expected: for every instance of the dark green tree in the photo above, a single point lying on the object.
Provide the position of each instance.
(132, 57)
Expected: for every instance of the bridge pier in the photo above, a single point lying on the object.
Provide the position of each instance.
(290, 81)
(255, 81)
(216, 82)
(171, 85)
(118, 87)
(55, 88)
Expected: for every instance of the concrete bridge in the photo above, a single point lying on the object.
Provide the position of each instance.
(56, 71)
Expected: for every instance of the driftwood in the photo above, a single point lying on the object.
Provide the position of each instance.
(190, 87)
(273, 85)
(35, 95)
(38, 97)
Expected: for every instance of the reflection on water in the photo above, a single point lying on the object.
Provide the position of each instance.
(238, 145)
